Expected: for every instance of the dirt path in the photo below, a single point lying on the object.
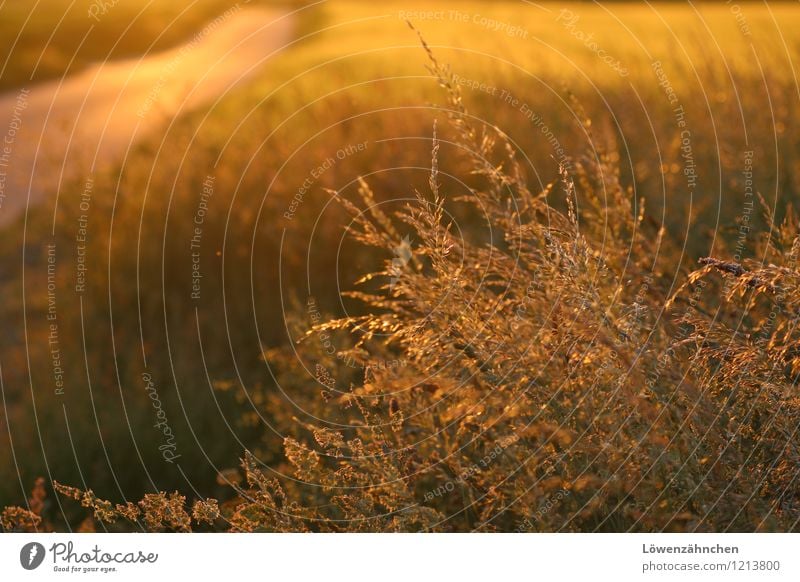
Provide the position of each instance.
(49, 132)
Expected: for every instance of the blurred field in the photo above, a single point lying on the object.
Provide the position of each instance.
(272, 238)
(48, 39)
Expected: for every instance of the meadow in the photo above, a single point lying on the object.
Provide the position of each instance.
(536, 274)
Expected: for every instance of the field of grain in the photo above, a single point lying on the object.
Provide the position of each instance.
(450, 266)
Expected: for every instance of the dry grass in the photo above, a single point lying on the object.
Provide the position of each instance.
(546, 386)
